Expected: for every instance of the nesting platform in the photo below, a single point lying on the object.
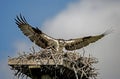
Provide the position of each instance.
(48, 64)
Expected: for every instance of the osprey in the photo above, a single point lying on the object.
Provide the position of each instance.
(45, 41)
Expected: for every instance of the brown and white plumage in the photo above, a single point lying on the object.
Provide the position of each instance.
(34, 34)
(78, 43)
(45, 41)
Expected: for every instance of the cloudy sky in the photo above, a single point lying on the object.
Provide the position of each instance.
(64, 19)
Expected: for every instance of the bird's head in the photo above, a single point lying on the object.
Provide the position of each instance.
(61, 41)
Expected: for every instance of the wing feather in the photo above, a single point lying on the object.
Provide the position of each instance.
(78, 43)
(34, 34)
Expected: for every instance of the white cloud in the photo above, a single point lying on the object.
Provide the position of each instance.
(91, 17)
(80, 16)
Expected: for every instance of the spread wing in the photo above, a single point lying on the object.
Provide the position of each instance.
(34, 34)
(78, 43)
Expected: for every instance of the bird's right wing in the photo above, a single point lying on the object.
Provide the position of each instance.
(34, 34)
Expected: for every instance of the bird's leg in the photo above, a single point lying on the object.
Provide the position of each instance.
(83, 51)
(33, 47)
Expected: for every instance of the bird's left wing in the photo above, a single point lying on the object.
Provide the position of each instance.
(78, 43)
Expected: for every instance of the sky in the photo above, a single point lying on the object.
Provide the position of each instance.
(63, 19)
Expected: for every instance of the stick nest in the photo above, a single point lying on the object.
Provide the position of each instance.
(67, 65)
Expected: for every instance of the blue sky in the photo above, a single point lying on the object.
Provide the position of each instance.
(35, 11)
(63, 19)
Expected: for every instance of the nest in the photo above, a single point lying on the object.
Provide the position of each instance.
(56, 65)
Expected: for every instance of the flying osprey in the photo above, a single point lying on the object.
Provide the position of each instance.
(45, 41)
